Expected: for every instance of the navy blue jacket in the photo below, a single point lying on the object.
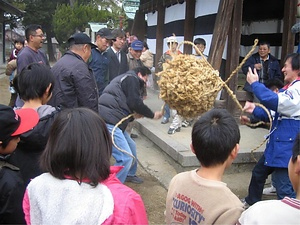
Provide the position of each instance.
(99, 63)
(273, 71)
(75, 84)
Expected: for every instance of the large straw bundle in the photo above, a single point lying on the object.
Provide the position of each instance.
(189, 85)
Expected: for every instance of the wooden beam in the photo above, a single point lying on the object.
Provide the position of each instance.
(139, 25)
(220, 33)
(289, 19)
(233, 52)
(189, 24)
(159, 36)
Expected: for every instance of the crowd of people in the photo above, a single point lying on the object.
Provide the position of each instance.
(69, 120)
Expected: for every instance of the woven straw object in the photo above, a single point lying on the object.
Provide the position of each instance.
(190, 84)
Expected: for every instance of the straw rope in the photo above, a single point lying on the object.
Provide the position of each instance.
(113, 141)
(190, 85)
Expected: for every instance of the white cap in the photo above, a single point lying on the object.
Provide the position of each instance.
(172, 39)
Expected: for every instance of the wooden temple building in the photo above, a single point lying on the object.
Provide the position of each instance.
(228, 26)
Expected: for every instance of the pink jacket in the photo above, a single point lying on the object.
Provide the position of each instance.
(128, 205)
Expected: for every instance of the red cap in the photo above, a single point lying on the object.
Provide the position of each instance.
(28, 119)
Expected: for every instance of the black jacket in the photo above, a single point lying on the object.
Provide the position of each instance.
(32, 144)
(123, 97)
(273, 70)
(12, 190)
(75, 84)
(115, 67)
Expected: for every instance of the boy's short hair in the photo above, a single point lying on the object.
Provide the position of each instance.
(199, 41)
(274, 83)
(214, 136)
(33, 81)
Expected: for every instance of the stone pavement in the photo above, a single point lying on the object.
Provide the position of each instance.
(177, 145)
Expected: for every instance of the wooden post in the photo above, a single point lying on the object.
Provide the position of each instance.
(159, 36)
(189, 24)
(233, 52)
(139, 25)
(289, 19)
(220, 33)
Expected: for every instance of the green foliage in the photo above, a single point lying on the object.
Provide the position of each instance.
(67, 20)
(62, 18)
(117, 12)
(20, 4)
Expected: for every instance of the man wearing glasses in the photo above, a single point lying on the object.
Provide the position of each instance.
(32, 53)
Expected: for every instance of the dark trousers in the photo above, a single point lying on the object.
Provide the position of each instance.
(259, 175)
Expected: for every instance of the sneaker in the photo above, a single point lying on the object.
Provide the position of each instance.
(165, 120)
(269, 191)
(173, 130)
(134, 135)
(134, 179)
(246, 205)
(12, 90)
(186, 123)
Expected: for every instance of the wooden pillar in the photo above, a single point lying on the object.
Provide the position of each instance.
(289, 19)
(189, 24)
(139, 25)
(233, 52)
(159, 36)
(220, 33)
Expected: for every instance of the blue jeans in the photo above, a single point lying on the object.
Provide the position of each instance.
(124, 142)
(259, 175)
(11, 77)
(166, 111)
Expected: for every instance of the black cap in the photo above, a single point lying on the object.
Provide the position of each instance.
(80, 38)
(106, 33)
(16, 122)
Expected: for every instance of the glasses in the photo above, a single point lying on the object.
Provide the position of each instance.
(39, 35)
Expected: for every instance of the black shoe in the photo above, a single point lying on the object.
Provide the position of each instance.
(186, 123)
(173, 130)
(134, 136)
(134, 179)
